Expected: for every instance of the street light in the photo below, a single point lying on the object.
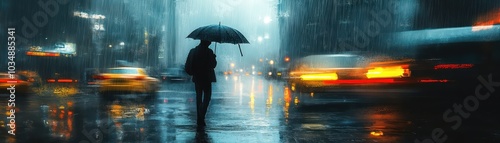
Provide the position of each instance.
(266, 36)
(267, 20)
(271, 62)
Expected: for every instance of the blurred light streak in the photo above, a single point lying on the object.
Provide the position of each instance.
(324, 76)
(487, 21)
(288, 98)
(360, 81)
(43, 54)
(385, 72)
(453, 66)
(269, 100)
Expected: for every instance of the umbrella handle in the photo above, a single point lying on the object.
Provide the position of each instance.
(215, 47)
(240, 50)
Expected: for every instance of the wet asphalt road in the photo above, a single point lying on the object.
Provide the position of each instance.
(252, 109)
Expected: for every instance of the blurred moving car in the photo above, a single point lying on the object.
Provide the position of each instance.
(21, 83)
(322, 71)
(175, 74)
(127, 79)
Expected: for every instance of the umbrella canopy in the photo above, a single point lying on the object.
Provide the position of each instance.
(218, 33)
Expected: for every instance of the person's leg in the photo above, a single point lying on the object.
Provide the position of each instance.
(199, 104)
(207, 91)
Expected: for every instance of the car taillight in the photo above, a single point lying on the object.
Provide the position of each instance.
(453, 66)
(140, 78)
(10, 81)
(101, 77)
(61, 80)
(66, 80)
(386, 72)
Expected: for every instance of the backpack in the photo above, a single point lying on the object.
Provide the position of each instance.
(188, 67)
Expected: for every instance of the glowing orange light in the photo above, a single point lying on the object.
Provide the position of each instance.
(287, 95)
(65, 80)
(70, 103)
(61, 80)
(386, 72)
(487, 21)
(42, 54)
(377, 133)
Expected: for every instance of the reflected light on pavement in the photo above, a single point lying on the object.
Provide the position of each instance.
(269, 100)
(377, 133)
(11, 139)
(60, 120)
(252, 102)
(252, 96)
(287, 97)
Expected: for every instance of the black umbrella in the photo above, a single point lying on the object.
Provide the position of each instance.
(219, 33)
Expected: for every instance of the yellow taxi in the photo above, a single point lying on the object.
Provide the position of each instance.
(127, 79)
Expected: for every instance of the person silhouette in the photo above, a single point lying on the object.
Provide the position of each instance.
(200, 64)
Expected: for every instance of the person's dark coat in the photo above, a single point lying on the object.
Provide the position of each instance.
(200, 63)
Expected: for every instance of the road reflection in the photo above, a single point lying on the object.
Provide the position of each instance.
(124, 120)
(58, 118)
(334, 121)
(287, 98)
(255, 111)
(385, 123)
